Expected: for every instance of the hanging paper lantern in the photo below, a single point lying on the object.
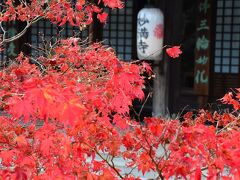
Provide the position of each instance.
(150, 34)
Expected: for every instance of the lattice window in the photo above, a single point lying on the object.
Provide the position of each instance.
(3, 54)
(118, 32)
(227, 44)
(44, 30)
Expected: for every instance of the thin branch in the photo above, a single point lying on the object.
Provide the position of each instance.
(136, 61)
(130, 172)
(228, 125)
(37, 48)
(140, 112)
(20, 34)
(109, 164)
(4, 31)
(141, 109)
(41, 66)
(179, 115)
(152, 158)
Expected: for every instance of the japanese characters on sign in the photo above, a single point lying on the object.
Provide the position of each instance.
(202, 50)
(149, 34)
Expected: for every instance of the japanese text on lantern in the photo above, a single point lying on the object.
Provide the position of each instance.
(143, 33)
(202, 50)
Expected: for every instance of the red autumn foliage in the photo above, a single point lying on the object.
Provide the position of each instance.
(78, 14)
(102, 17)
(66, 116)
(174, 51)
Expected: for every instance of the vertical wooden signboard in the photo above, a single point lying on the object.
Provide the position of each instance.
(202, 50)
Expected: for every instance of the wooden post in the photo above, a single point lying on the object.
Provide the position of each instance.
(160, 83)
(160, 89)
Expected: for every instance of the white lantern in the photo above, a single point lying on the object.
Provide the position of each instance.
(150, 33)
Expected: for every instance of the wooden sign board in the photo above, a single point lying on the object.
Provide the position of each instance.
(203, 48)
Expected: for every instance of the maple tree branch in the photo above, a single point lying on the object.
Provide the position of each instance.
(109, 164)
(37, 48)
(140, 112)
(156, 164)
(217, 125)
(135, 112)
(69, 67)
(3, 30)
(152, 158)
(20, 34)
(202, 169)
(41, 66)
(130, 172)
(166, 154)
(106, 160)
(228, 125)
(136, 61)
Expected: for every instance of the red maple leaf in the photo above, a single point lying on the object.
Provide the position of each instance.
(102, 17)
(174, 51)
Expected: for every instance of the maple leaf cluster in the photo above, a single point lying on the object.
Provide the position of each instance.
(80, 96)
(52, 148)
(188, 149)
(71, 83)
(79, 13)
(67, 109)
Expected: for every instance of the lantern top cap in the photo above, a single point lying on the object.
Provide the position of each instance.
(151, 9)
(149, 6)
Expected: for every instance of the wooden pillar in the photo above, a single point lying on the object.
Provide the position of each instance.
(160, 89)
(167, 80)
